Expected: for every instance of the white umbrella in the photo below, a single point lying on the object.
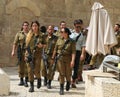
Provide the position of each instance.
(100, 34)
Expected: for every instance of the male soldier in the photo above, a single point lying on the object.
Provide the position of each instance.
(19, 44)
(116, 48)
(50, 40)
(94, 60)
(78, 36)
(62, 25)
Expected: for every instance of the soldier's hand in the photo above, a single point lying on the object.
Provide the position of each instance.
(72, 64)
(82, 57)
(52, 61)
(26, 59)
(40, 45)
(13, 53)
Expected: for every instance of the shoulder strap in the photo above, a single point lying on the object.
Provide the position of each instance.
(63, 48)
(23, 44)
(78, 37)
(50, 44)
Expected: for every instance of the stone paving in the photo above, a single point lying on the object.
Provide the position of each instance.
(21, 91)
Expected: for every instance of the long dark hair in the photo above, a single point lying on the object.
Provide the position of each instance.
(67, 31)
(36, 23)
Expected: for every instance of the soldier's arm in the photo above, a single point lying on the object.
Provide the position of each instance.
(54, 54)
(15, 45)
(82, 57)
(73, 54)
(55, 51)
(41, 42)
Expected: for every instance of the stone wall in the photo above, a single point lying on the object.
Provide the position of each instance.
(14, 12)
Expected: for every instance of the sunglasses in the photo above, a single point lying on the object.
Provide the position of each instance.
(77, 27)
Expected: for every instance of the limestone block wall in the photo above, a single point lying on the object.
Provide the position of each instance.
(14, 12)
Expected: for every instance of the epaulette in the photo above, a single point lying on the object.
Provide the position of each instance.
(20, 32)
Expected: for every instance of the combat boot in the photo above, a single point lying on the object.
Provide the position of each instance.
(61, 89)
(49, 84)
(45, 81)
(21, 82)
(67, 86)
(73, 83)
(80, 78)
(38, 83)
(31, 87)
(26, 82)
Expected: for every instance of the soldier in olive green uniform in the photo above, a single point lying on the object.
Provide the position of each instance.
(94, 60)
(59, 34)
(34, 42)
(50, 40)
(116, 48)
(19, 43)
(66, 48)
(62, 25)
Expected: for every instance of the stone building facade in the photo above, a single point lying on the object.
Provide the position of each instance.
(14, 12)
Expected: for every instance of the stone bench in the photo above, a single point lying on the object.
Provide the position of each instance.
(4, 83)
(98, 84)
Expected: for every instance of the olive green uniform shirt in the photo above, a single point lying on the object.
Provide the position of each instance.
(20, 38)
(36, 40)
(50, 42)
(69, 48)
(117, 46)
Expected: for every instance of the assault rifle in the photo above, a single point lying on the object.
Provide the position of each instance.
(55, 64)
(19, 54)
(20, 50)
(30, 57)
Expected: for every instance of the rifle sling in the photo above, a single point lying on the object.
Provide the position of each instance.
(63, 48)
(78, 37)
(50, 45)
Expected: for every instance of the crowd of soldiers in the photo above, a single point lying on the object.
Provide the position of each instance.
(41, 51)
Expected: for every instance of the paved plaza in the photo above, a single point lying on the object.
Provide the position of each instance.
(21, 91)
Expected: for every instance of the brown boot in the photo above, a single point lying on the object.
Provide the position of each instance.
(91, 67)
(73, 85)
(80, 78)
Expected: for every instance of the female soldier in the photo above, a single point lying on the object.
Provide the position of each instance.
(65, 48)
(34, 44)
(19, 44)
